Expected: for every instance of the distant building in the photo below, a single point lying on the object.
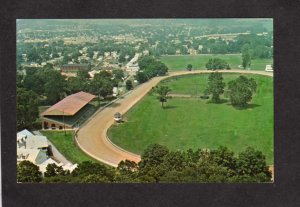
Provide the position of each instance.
(269, 68)
(115, 91)
(93, 73)
(132, 65)
(192, 51)
(69, 112)
(106, 54)
(146, 52)
(114, 54)
(73, 67)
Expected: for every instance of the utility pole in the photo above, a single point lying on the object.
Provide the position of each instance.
(64, 123)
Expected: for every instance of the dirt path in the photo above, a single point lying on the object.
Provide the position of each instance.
(92, 138)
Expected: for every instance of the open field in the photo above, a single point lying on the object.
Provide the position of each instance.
(193, 123)
(66, 146)
(180, 62)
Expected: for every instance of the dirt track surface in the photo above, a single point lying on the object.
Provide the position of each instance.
(92, 138)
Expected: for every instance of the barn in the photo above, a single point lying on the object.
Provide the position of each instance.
(68, 113)
(73, 67)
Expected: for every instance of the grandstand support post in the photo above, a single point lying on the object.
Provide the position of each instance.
(64, 123)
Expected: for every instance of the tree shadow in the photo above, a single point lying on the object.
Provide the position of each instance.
(222, 101)
(248, 106)
(113, 105)
(169, 107)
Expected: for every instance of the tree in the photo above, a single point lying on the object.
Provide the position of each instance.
(129, 85)
(118, 74)
(19, 80)
(145, 61)
(83, 75)
(174, 160)
(34, 80)
(162, 93)
(55, 86)
(189, 67)
(127, 166)
(215, 86)
(246, 58)
(240, 91)
(95, 179)
(151, 67)
(141, 77)
(27, 108)
(216, 63)
(252, 166)
(54, 170)
(224, 157)
(151, 166)
(101, 85)
(153, 155)
(88, 168)
(27, 172)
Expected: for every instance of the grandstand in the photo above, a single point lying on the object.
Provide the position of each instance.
(69, 113)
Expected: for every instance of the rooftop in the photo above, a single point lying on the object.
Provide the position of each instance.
(24, 134)
(35, 142)
(27, 154)
(76, 65)
(69, 105)
(75, 120)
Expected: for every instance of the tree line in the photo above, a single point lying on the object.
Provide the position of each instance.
(149, 68)
(160, 165)
(46, 86)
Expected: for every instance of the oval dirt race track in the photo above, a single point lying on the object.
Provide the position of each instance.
(92, 138)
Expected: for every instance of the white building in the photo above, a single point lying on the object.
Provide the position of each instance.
(106, 54)
(146, 52)
(26, 140)
(132, 65)
(34, 149)
(114, 54)
(93, 73)
(33, 155)
(269, 68)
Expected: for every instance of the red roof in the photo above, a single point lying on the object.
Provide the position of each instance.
(70, 105)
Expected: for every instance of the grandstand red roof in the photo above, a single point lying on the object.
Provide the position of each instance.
(70, 105)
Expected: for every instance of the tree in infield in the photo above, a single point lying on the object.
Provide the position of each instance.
(215, 86)
(246, 57)
(189, 67)
(240, 91)
(162, 94)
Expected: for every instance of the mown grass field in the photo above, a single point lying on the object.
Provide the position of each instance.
(180, 62)
(67, 146)
(194, 123)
